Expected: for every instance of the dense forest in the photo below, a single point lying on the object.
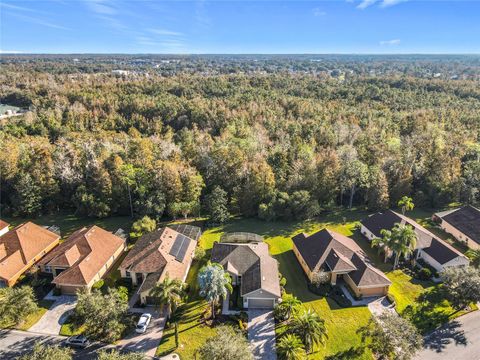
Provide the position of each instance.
(276, 144)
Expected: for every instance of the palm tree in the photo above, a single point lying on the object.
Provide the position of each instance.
(474, 256)
(406, 203)
(287, 306)
(401, 240)
(383, 243)
(310, 328)
(290, 347)
(215, 283)
(169, 293)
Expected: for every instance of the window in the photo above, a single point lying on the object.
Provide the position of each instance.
(128, 274)
(48, 269)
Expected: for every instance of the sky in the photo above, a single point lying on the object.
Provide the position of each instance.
(234, 27)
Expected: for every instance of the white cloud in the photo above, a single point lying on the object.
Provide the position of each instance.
(319, 12)
(11, 52)
(366, 3)
(390, 42)
(38, 21)
(383, 3)
(101, 7)
(165, 32)
(387, 3)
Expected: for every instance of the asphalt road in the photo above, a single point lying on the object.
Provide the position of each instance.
(459, 339)
(14, 343)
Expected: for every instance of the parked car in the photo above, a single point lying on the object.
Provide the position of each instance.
(77, 341)
(143, 323)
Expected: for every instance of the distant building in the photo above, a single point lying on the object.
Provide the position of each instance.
(430, 248)
(82, 259)
(463, 223)
(21, 248)
(121, 72)
(342, 258)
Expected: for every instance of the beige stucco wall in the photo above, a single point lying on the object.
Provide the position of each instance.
(302, 262)
(459, 235)
(365, 291)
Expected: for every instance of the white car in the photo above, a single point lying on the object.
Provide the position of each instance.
(143, 323)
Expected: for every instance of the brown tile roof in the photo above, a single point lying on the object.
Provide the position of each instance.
(3, 224)
(339, 253)
(428, 242)
(21, 245)
(151, 255)
(251, 261)
(84, 254)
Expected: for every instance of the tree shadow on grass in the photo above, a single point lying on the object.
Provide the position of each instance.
(350, 354)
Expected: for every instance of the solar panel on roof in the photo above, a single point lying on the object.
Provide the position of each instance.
(179, 247)
(183, 250)
(176, 246)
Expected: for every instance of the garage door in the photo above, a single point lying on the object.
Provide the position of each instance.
(260, 303)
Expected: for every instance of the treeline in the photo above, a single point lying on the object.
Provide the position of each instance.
(279, 146)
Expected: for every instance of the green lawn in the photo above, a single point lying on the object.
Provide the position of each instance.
(43, 306)
(342, 324)
(192, 332)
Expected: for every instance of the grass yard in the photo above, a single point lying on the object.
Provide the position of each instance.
(43, 306)
(342, 324)
(192, 332)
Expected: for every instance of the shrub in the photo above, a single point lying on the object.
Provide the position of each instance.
(57, 291)
(283, 282)
(199, 253)
(424, 274)
(320, 278)
(99, 284)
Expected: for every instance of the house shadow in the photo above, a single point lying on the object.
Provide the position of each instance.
(350, 354)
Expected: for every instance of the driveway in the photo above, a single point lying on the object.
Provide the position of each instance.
(459, 339)
(51, 322)
(261, 334)
(149, 341)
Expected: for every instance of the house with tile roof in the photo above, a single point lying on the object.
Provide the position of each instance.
(463, 223)
(82, 259)
(253, 270)
(342, 258)
(21, 248)
(166, 252)
(433, 250)
(3, 227)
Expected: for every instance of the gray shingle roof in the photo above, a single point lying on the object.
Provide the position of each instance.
(467, 220)
(252, 262)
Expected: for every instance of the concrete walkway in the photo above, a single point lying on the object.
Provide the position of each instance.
(51, 322)
(261, 334)
(148, 341)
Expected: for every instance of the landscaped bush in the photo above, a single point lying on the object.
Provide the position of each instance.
(320, 278)
(98, 285)
(424, 274)
(57, 291)
(423, 264)
(199, 253)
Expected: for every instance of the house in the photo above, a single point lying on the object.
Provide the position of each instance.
(253, 270)
(433, 250)
(3, 227)
(342, 258)
(21, 248)
(156, 255)
(82, 259)
(463, 223)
